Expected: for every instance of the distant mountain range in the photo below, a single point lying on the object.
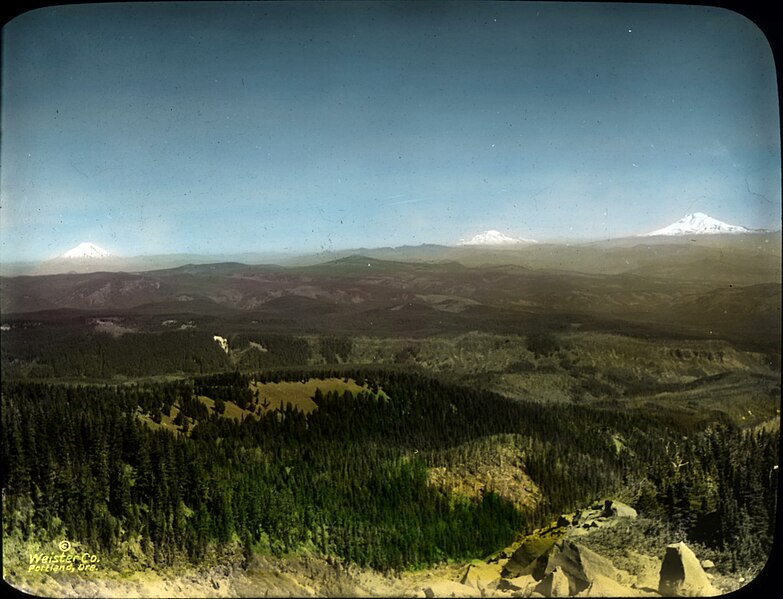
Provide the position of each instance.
(86, 251)
(697, 223)
(485, 247)
(493, 237)
(722, 285)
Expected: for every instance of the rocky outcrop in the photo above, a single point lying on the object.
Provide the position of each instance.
(682, 574)
(517, 584)
(481, 575)
(597, 516)
(557, 549)
(554, 562)
(523, 560)
(601, 586)
(579, 565)
(555, 584)
(617, 509)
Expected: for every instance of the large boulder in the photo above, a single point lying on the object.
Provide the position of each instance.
(579, 564)
(516, 584)
(617, 509)
(481, 575)
(682, 574)
(601, 586)
(523, 560)
(555, 584)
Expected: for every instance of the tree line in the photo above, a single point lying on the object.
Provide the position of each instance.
(37, 353)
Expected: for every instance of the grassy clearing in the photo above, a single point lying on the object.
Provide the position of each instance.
(166, 422)
(268, 397)
(231, 411)
(275, 396)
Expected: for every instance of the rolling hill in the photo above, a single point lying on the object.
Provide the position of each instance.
(726, 290)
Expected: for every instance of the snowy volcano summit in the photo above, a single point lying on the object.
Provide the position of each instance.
(697, 223)
(493, 237)
(85, 250)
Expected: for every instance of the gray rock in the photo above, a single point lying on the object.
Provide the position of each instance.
(480, 575)
(580, 564)
(523, 560)
(555, 584)
(617, 509)
(519, 583)
(602, 586)
(682, 574)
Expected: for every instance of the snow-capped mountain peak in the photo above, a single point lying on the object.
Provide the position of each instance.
(493, 237)
(85, 250)
(697, 223)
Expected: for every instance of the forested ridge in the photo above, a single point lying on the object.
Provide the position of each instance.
(44, 353)
(38, 352)
(350, 478)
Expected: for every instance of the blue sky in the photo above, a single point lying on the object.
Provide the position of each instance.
(224, 128)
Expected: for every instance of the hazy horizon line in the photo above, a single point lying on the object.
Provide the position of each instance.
(317, 252)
